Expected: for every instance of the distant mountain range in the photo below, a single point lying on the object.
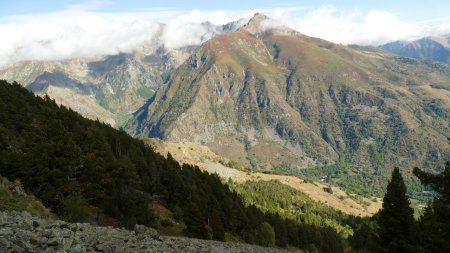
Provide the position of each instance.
(435, 48)
(269, 97)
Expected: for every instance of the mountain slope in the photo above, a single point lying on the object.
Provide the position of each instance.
(266, 96)
(87, 171)
(435, 48)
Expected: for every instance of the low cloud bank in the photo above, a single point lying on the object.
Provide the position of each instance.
(73, 32)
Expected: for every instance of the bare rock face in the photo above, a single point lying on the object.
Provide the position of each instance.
(109, 88)
(22, 232)
(266, 96)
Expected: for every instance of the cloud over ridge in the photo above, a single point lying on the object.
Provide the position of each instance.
(78, 32)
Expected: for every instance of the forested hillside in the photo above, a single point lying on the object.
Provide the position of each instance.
(87, 171)
(275, 197)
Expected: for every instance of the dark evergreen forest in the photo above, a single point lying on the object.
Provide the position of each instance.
(85, 170)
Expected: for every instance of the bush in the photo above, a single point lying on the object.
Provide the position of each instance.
(76, 208)
(328, 189)
(266, 235)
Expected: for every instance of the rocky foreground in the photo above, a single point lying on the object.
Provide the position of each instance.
(23, 232)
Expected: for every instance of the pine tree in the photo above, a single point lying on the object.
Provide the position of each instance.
(396, 220)
(217, 225)
(195, 225)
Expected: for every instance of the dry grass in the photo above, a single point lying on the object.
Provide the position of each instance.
(206, 159)
(339, 199)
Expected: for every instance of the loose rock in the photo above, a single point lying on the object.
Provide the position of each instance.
(58, 236)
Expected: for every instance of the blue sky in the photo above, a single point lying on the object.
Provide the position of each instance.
(58, 29)
(413, 10)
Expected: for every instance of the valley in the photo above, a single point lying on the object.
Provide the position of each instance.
(109, 88)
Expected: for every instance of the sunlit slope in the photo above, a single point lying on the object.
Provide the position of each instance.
(267, 96)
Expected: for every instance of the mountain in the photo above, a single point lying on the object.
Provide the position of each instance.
(111, 87)
(434, 48)
(268, 97)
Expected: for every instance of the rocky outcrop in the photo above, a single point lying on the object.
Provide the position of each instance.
(22, 232)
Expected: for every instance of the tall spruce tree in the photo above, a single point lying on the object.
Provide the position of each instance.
(396, 220)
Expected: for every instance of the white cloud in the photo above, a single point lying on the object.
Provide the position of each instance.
(374, 28)
(72, 34)
(78, 31)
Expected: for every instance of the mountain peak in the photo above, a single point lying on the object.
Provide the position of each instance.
(259, 16)
(261, 23)
(234, 26)
(257, 20)
(444, 41)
